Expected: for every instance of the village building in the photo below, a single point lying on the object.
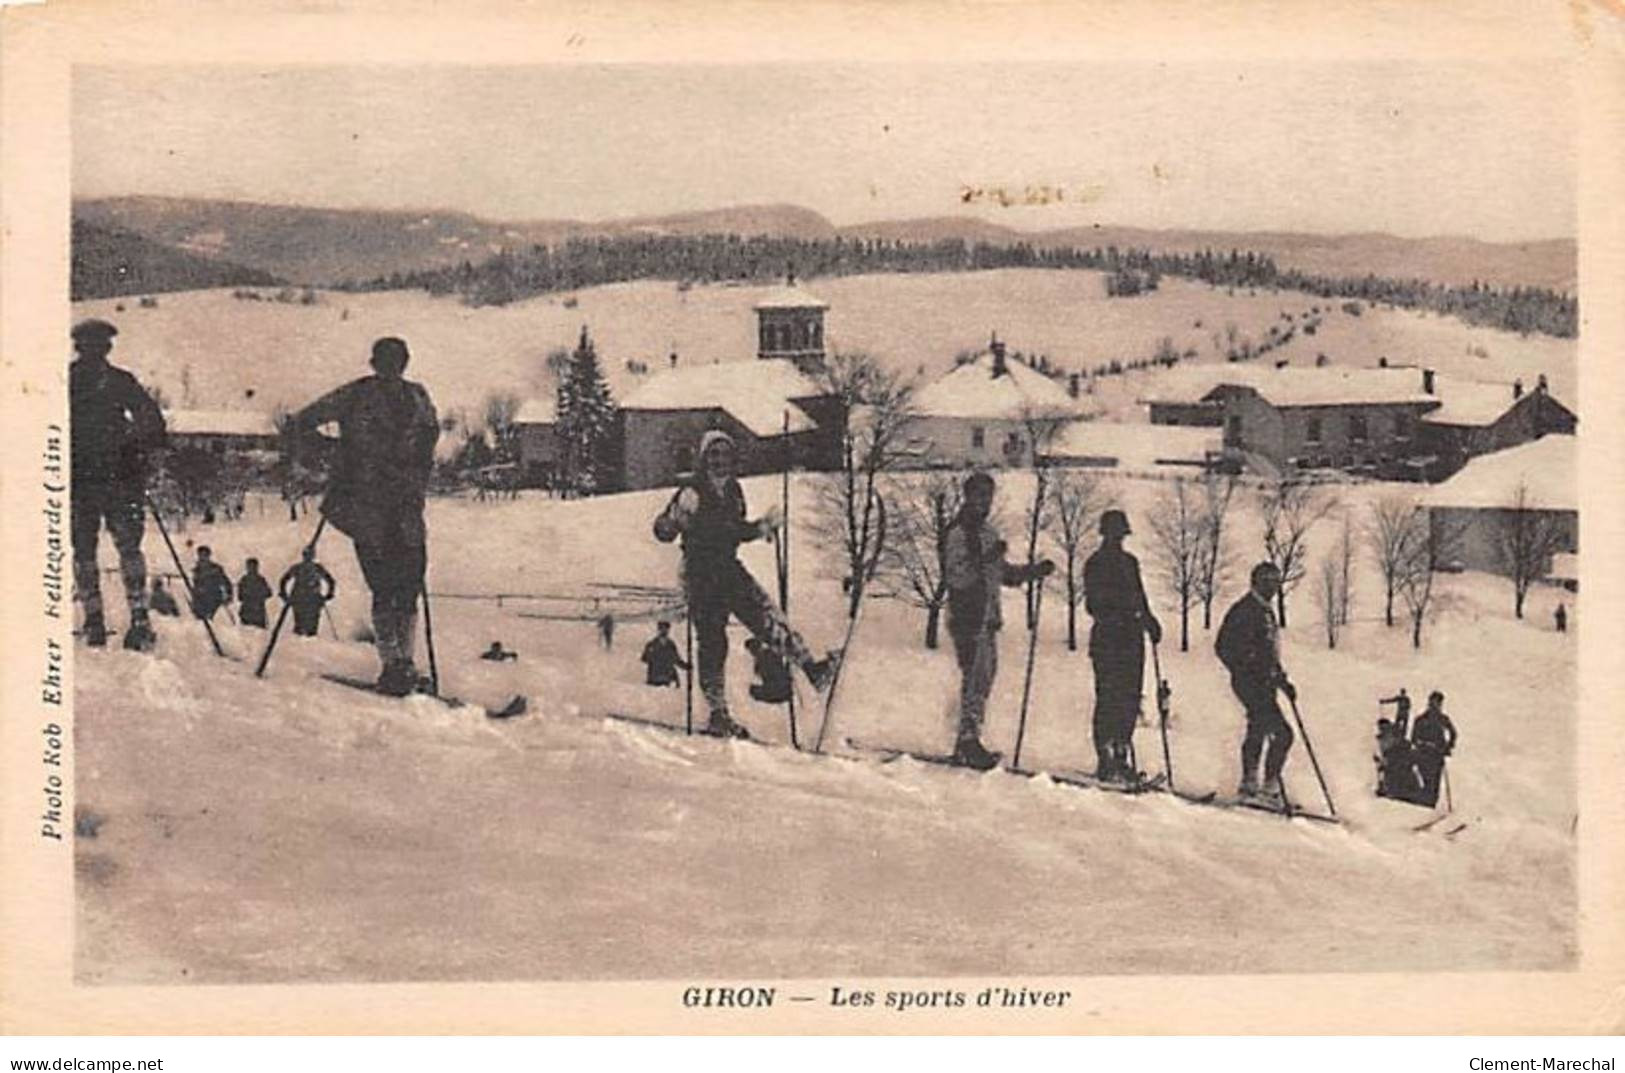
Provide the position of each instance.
(790, 327)
(1159, 450)
(1476, 507)
(985, 411)
(536, 430)
(1474, 418)
(221, 432)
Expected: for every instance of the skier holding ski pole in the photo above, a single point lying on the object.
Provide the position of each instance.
(708, 513)
(976, 568)
(387, 432)
(1249, 647)
(1114, 596)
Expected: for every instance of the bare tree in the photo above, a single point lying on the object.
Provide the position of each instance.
(1428, 543)
(1042, 427)
(1345, 571)
(852, 518)
(1074, 502)
(1177, 530)
(1329, 598)
(1527, 538)
(1290, 508)
(1218, 491)
(1388, 528)
(914, 564)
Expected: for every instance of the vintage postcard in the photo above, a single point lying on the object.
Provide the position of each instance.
(937, 517)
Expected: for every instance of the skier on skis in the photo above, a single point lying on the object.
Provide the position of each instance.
(660, 656)
(211, 588)
(1115, 598)
(1249, 647)
(306, 587)
(975, 571)
(708, 512)
(387, 432)
(252, 592)
(1432, 740)
(114, 426)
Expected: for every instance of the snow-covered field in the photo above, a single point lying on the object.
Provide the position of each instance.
(289, 829)
(206, 350)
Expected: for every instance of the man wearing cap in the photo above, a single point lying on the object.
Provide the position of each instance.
(387, 432)
(708, 512)
(1433, 739)
(1114, 596)
(114, 426)
(976, 571)
(1249, 647)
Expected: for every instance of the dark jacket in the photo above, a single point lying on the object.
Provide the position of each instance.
(714, 529)
(1114, 596)
(253, 589)
(1247, 641)
(306, 583)
(660, 655)
(114, 425)
(387, 433)
(1434, 732)
(210, 584)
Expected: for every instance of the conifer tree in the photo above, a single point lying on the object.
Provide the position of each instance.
(586, 423)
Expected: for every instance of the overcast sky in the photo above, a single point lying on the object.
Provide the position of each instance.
(1482, 150)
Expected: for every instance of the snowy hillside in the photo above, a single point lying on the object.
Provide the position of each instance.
(290, 829)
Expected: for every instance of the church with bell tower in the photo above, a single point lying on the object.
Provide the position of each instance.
(790, 327)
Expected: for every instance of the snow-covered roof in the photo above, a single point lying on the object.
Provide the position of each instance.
(1546, 468)
(539, 411)
(1565, 566)
(1474, 403)
(1135, 445)
(789, 297)
(756, 392)
(972, 391)
(1328, 386)
(219, 422)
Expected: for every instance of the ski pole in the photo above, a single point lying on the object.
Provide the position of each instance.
(688, 677)
(191, 597)
(1162, 714)
(282, 616)
(1027, 681)
(781, 556)
(428, 640)
(1449, 803)
(1309, 747)
(331, 628)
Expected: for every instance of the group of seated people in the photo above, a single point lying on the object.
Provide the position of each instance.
(1411, 759)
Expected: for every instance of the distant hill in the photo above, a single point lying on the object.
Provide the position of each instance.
(110, 263)
(327, 246)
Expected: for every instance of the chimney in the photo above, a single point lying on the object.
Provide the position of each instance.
(1072, 385)
(1540, 383)
(1517, 389)
(1427, 381)
(1382, 362)
(996, 347)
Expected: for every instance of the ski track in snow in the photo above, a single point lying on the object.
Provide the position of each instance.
(293, 829)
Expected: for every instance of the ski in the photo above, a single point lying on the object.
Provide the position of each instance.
(700, 732)
(1148, 785)
(1290, 812)
(517, 705)
(1432, 823)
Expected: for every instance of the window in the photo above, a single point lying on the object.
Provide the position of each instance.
(1232, 430)
(1313, 435)
(977, 438)
(1357, 428)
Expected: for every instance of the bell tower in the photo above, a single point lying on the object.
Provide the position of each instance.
(790, 325)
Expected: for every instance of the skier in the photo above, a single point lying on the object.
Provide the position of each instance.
(1396, 764)
(114, 425)
(1560, 618)
(211, 588)
(1402, 710)
(1249, 647)
(306, 587)
(387, 432)
(660, 656)
(497, 654)
(708, 512)
(160, 601)
(773, 677)
(975, 570)
(1433, 739)
(1115, 598)
(252, 592)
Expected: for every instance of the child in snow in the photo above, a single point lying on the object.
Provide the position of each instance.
(708, 513)
(211, 588)
(497, 654)
(660, 656)
(1396, 764)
